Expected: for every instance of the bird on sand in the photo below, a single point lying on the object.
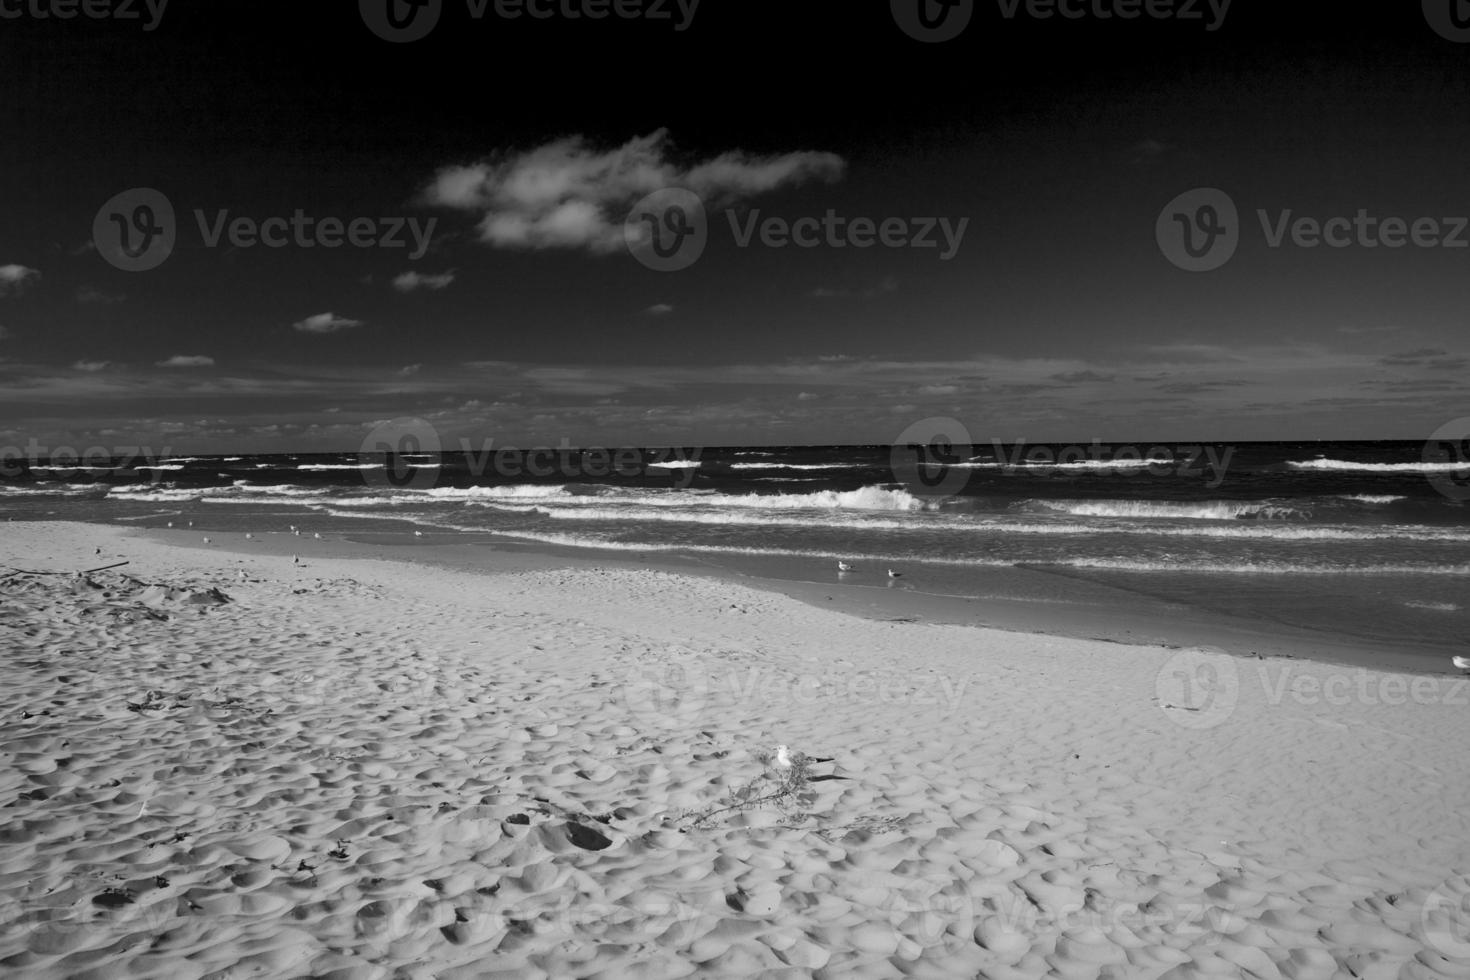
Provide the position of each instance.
(293, 528)
(317, 535)
(295, 560)
(249, 536)
(843, 566)
(418, 534)
(97, 551)
(206, 541)
(170, 523)
(1461, 662)
(893, 574)
(785, 758)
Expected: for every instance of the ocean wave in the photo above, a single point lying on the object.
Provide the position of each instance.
(1077, 464)
(677, 464)
(1351, 466)
(234, 493)
(1212, 510)
(1432, 606)
(1372, 499)
(799, 466)
(1257, 568)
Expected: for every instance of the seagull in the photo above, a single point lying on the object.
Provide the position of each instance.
(1461, 662)
(893, 574)
(317, 535)
(293, 528)
(191, 523)
(170, 523)
(249, 536)
(98, 551)
(296, 532)
(295, 560)
(783, 757)
(206, 541)
(241, 575)
(843, 566)
(418, 534)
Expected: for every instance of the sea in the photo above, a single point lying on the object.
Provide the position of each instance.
(1368, 540)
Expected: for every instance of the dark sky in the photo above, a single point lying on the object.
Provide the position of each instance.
(1056, 315)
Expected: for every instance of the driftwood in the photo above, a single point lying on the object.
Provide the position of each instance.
(84, 571)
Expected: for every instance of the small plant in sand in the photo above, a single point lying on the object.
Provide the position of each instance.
(785, 783)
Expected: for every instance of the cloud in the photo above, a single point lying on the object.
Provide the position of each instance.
(1081, 377)
(1433, 358)
(409, 370)
(939, 389)
(410, 281)
(91, 367)
(325, 323)
(13, 278)
(887, 284)
(90, 294)
(567, 194)
(659, 309)
(187, 360)
(807, 396)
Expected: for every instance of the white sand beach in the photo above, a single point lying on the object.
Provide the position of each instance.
(379, 769)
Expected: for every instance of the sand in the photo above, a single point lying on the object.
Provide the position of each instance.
(369, 768)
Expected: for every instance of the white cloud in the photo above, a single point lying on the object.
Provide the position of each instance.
(807, 396)
(92, 367)
(410, 281)
(566, 194)
(14, 277)
(325, 323)
(187, 360)
(659, 309)
(409, 370)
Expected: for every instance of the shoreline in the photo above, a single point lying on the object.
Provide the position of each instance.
(1116, 616)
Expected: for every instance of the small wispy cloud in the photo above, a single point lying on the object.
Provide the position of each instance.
(325, 323)
(659, 309)
(568, 194)
(13, 278)
(93, 296)
(410, 281)
(409, 370)
(185, 361)
(91, 367)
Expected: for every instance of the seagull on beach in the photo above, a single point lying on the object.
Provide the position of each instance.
(1461, 662)
(206, 541)
(97, 552)
(893, 574)
(418, 534)
(843, 566)
(317, 535)
(249, 536)
(293, 528)
(170, 523)
(295, 560)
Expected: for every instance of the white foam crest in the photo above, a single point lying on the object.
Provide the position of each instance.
(1349, 465)
(1370, 498)
(329, 467)
(1074, 464)
(1212, 510)
(677, 464)
(796, 466)
(515, 491)
(1260, 568)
